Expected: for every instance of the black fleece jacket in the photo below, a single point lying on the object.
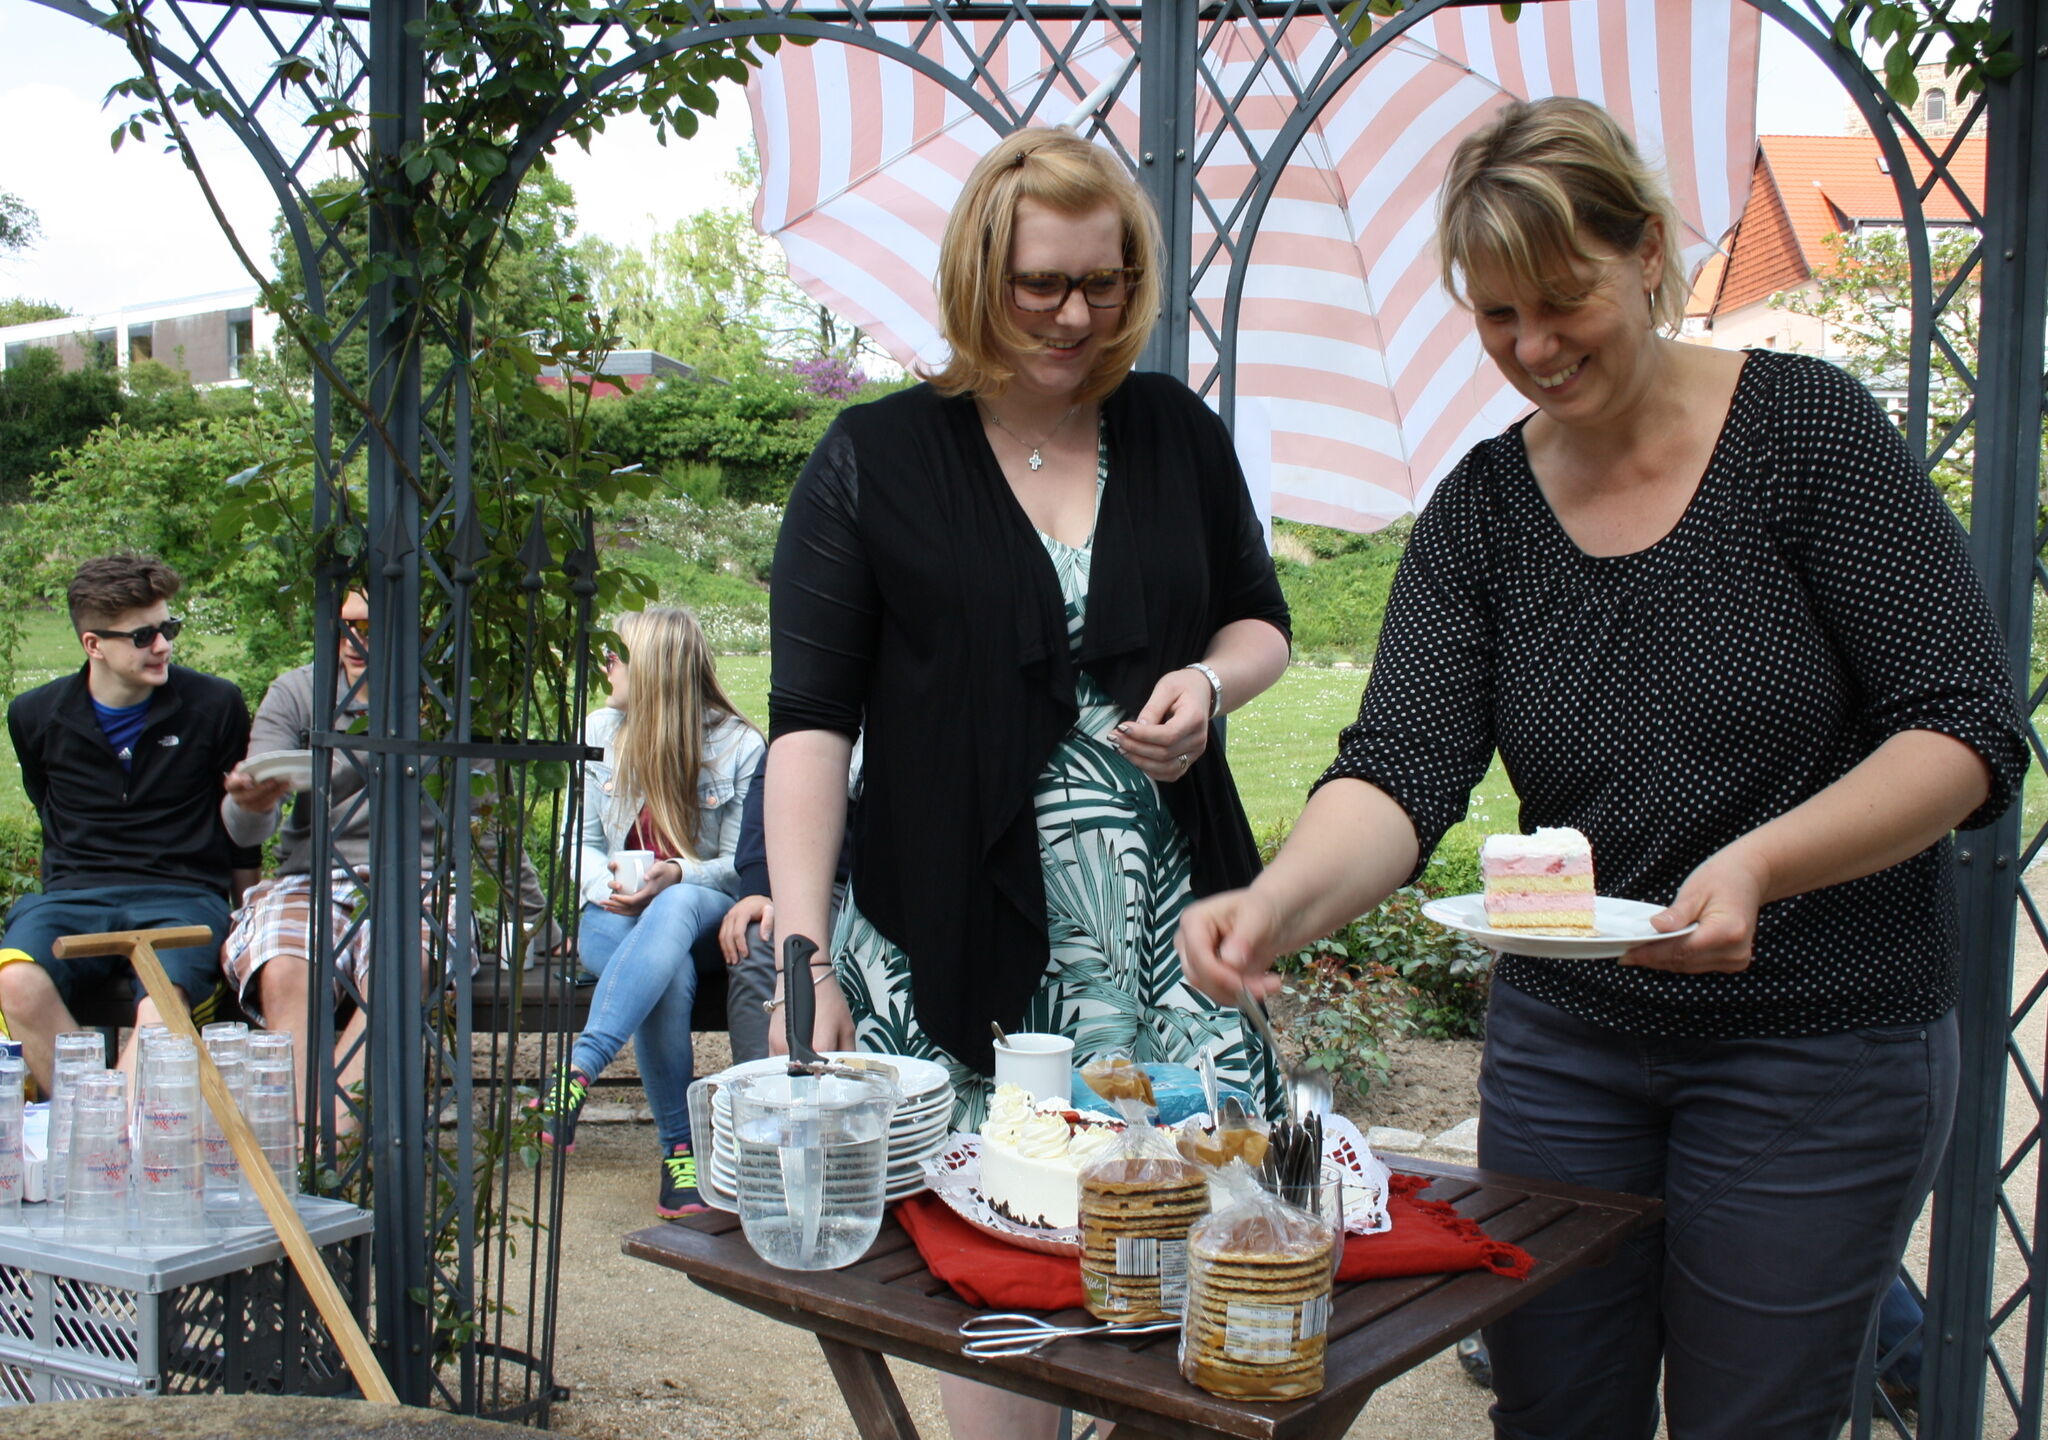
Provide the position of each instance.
(157, 823)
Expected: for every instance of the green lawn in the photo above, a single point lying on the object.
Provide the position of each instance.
(1279, 743)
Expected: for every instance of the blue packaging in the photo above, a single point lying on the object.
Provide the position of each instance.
(1176, 1088)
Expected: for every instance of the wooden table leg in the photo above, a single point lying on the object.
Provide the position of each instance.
(870, 1390)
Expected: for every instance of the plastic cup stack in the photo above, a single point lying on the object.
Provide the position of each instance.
(96, 1189)
(77, 1053)
(170, 1178)
(274, 1120)
(12, 1074)
(145, 1037)
(226, 1190)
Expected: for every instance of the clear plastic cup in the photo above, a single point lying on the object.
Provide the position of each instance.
(274, 1120)
(110, 1087)
(78, 1053)
(12, 1075)
(96, 1189)
(274, 1047)
(226, 1190)
(170, 1177)
(226, 1040)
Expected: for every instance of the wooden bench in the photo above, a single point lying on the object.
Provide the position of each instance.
(547, 999)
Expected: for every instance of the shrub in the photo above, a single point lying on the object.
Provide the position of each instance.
(21, 855)
(1391, 967)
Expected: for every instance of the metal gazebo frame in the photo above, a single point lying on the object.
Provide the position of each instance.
(1988, 1281)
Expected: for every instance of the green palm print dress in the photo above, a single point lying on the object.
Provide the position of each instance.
(1116, 880)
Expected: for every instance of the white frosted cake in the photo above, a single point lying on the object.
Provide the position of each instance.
(1541, 884)
(1032, 1156)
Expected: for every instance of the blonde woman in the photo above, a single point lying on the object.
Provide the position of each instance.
(1711, 612)
(678, 761)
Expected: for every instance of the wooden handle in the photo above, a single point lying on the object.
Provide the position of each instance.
(140, 948)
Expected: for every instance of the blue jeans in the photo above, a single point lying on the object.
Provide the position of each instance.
(1791, 1172)
(646, 984)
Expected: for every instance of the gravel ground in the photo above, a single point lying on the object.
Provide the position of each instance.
(649, 1356)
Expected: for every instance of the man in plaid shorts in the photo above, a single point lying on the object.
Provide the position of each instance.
(269, 954)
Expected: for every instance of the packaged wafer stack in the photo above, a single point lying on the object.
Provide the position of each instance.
(1260, 1275)
(1138, 1200)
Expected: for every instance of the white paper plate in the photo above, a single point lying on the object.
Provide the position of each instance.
(1621, 925)
(293, 765)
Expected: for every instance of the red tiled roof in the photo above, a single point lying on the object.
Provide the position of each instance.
(1807, 187)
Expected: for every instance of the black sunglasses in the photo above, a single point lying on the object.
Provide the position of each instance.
(145, 636)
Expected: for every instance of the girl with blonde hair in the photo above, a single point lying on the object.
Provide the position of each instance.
(678, 761)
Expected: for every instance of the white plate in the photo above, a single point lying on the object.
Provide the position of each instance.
(1621, 925)
(293, 765)
(914, 1078)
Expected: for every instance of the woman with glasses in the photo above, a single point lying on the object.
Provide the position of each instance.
(1034, 581)
(678, 761)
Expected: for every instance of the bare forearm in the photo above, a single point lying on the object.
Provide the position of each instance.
(1904, 796)
(1352, 847)
(1247, 656)
(803, 817)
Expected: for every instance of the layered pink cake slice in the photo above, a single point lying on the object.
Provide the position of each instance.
(1541, 884)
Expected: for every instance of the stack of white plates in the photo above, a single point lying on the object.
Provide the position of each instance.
(917, 1131)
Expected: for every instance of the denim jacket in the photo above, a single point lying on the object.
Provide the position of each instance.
(732, 751)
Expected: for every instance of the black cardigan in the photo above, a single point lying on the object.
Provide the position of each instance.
(913, 597)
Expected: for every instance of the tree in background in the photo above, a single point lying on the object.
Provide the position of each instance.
(44, 410)
(20, 310)
(19, 227)
(537, 282)
(1866, 301)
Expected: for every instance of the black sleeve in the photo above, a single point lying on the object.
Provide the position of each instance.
(750, 859)
(1923, 645)
(1245, 585)
(33, 780)
(1425, 732)
(824, 607)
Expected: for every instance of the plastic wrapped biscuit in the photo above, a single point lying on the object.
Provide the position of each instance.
(1137, 1202)
(1118, 1077)
(1260, 1275)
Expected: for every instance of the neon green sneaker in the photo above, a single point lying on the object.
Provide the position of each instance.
(679, 1195)
(560, 1105)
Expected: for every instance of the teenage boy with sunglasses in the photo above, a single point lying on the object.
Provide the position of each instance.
(123, 761)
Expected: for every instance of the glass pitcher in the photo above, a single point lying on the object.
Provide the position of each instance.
(809, 1159)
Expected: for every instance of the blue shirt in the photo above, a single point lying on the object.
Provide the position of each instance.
(122, 727)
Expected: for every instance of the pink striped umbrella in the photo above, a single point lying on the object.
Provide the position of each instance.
(1358, 381)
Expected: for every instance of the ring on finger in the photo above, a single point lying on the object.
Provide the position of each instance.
(1183, 760)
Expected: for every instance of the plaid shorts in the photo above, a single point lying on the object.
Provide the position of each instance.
(276, 918)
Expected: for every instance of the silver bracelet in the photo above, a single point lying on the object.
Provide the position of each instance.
(1215, 686)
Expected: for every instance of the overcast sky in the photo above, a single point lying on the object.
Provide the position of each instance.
(131, 228)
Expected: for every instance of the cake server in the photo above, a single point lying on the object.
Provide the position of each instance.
(1309, 1091)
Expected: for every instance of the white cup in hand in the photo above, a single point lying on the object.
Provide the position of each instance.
(629, 869)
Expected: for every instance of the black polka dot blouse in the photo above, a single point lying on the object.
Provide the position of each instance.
(1815, 598)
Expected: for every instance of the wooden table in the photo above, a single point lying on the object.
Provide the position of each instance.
(888, 1303)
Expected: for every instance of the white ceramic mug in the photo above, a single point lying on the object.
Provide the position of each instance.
(1042, 1065)
(630, 869)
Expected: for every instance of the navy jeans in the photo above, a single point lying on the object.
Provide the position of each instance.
(646, 986)
(1791, 1172)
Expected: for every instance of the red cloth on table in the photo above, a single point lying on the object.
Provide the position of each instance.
(1428, 1237)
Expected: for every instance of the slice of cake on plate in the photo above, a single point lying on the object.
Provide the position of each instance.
(1032, 1156)
(1540, 884)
